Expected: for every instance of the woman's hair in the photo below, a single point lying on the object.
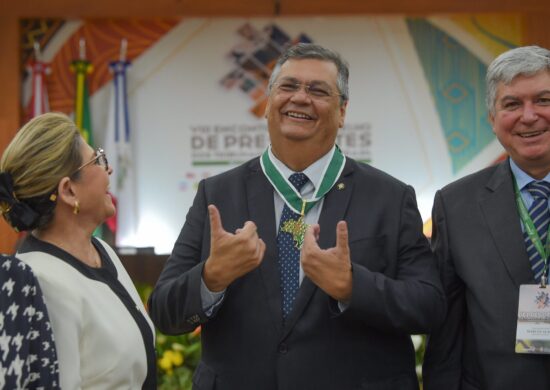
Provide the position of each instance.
(42, 152)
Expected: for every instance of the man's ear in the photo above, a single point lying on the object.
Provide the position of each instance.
(66, 192)
(343, 109)
(267, 107)
(491, 117)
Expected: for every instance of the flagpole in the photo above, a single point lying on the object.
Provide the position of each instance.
(82, 49)
(36, 46)
(38, 103)
(123, 50)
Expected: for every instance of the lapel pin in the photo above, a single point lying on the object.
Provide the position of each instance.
(341, 186)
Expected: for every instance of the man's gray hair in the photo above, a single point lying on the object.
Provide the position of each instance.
(303, 51)
(521, 61)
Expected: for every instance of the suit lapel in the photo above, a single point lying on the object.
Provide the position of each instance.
(262, 212)
(334, 209)
(500, 211)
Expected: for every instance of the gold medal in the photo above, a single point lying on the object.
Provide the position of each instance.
(297, 227)
(293, 198)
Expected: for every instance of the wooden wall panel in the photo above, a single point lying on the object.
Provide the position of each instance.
(141, 8)
(357, 7)
(168, 8)
(536, 31)
(9, 102)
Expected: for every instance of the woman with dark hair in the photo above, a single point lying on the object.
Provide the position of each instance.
(54, 185)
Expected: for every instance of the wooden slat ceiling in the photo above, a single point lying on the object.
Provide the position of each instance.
(167, 8)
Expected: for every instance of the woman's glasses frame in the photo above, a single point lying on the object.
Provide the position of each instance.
(99, 159)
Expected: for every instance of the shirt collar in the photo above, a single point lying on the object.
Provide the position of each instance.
(314, 172)
(522, 178)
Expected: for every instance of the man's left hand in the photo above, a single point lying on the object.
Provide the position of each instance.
(329, 269)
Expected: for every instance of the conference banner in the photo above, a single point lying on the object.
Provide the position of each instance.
(196, 95)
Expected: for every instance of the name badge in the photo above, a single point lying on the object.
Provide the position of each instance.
(533, 331)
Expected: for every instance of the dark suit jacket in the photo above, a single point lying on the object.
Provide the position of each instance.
(396, 291)
(482, 259)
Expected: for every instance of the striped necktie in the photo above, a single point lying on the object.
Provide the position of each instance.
(541, 219)
(289, 255)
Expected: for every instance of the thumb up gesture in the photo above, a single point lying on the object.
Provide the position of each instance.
(232, 255)
(329, 269)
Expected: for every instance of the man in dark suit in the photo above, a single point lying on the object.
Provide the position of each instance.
(286, 306)
(482, 246)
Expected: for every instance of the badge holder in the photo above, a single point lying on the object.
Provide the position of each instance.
(533, 330)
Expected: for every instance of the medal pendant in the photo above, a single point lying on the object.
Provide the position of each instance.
(296, 227)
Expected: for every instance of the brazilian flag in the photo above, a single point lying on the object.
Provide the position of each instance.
(82, 118)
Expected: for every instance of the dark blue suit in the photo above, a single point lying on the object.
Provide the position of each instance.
(396, 290)
(482, 258)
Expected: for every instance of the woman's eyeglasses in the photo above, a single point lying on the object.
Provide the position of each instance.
(99, 159)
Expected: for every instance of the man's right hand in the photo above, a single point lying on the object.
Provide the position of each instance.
(231, 255)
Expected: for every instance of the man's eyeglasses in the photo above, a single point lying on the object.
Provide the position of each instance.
(315, 90)
(99, 159)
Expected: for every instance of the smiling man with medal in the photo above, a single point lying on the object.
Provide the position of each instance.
(491, 239)
(304, 268)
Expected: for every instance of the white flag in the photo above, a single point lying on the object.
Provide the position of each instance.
(118, 148)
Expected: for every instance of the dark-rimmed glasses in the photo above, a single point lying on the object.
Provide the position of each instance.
(315, 90)
(99, 159)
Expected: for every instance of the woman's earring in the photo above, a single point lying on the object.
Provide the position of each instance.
(76, 207)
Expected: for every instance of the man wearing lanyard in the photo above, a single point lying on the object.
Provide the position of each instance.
(490, 236)
(305, 269)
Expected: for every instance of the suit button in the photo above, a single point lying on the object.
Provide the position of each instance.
(283, 348)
